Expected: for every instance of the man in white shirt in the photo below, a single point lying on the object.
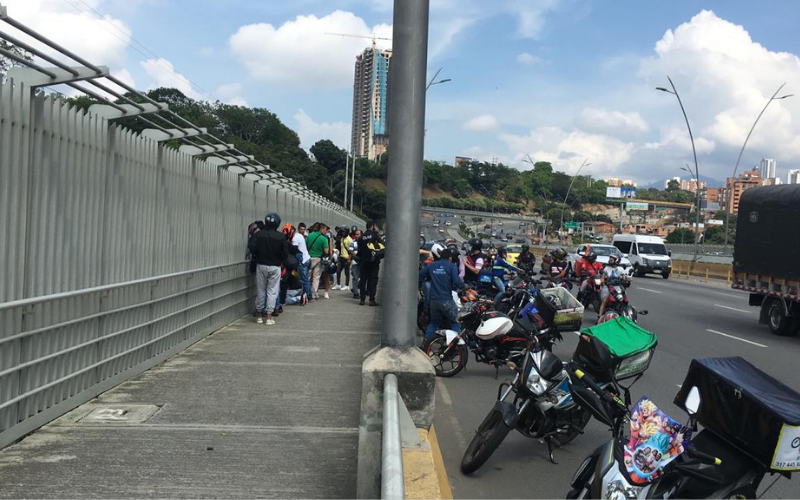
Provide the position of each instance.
(304, 259)
(613, 273)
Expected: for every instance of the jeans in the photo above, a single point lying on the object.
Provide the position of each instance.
(302, 270)
(426, 294)
(355, 268)
(294, 297)
(440, 309)
(269, 287)
(316, 272)
(501, 287)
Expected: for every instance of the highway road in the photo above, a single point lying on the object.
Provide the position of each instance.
(692, 320)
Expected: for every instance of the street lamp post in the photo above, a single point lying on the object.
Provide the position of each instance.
(728, 200)
(697, 199)
(584, 164)
(674, 92)
(434, 78)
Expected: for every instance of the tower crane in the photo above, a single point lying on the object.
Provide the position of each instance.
(373, 37)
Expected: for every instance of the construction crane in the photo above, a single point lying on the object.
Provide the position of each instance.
(373, 37)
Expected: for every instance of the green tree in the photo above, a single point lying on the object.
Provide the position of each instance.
(329, 156)
(6, 63)
(681, 235)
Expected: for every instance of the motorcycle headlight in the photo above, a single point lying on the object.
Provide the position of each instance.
(634, 365)
(534, 383)
(620, 297)
(465, 309)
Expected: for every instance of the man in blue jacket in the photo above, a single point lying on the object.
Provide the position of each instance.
(443, 276)
(498, 272)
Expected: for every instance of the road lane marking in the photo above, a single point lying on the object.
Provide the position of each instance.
(736, 338)
(732, 308)
(445, 394)
(647, 289)
(729, 295)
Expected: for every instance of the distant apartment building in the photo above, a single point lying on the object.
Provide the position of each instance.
(768, 168)
(735, 186)
(692, 185)
(793, 177)
(709, 199)
(370, 134)
(773, 181)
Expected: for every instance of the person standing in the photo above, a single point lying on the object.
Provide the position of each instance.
(304, 259)
(270, 250)
(355, 266)
(443, 278)
(370, 252)
(318, 248)
(344, 260)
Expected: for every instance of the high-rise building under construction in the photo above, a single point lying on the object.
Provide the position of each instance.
(370, 103)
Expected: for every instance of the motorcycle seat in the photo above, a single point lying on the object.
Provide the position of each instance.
(735, 464)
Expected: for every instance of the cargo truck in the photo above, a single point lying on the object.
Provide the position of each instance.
(766, 255)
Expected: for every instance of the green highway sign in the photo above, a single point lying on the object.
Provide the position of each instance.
(571, 225)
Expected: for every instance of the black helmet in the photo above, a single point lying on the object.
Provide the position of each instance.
(503, 251)
(560, 253)
(272, 220)
(591, 256)
(453, 248)
(476, 244)
(353, 229)
(525, 247)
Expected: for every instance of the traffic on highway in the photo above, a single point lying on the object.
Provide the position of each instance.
(591, 376)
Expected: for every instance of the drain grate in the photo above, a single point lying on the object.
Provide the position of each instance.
(120, 414)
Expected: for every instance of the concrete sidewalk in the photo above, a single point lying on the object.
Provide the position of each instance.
(249, 412)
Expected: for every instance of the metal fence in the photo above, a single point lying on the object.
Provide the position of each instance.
(117, 250)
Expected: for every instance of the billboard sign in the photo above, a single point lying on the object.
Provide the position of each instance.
(618, 193)
(632, 205)
(715, 222)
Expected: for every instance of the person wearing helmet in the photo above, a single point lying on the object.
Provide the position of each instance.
(270, 250)
(558, 268)
(434, 254)
(612, 273)
(455, 258)
(587, 268)
(443, 278)
(499, 268)
(474, 262)
(526, 260)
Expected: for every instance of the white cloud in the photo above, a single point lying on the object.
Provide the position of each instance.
(99, 40)
(165, 75)
(482, 123)
(567, 150)
(530, 15)
(299, 51)
(310, 131)
(526, 58)
(230, 93)
(724, 79)
(603, 121)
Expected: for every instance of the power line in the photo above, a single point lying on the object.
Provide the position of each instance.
(128, 43)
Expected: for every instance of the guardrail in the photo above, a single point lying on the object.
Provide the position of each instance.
(62, 350)
(392, 480)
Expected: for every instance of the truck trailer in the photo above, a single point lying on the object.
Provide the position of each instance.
(766, 255)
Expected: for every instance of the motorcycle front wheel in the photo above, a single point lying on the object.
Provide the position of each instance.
(446, 363)
(490, 434)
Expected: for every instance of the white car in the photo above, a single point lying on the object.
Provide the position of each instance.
(448, 223)
(435, 224)
(603, 252)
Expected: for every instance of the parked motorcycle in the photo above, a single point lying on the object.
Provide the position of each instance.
(591, 297)
(538, 402)
(669, 460)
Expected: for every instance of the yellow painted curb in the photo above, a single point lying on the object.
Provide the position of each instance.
(423, 470)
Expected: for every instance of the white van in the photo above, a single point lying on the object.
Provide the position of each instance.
(647, 254)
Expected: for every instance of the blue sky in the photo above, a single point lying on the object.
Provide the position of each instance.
(559, 80)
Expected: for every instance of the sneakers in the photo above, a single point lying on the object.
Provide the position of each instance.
(270, 322)
(335, 287)
(326, 295)
(259, 319)
(361, 302)
(372, 303)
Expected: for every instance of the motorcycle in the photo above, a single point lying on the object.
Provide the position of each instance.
(670, 460)
(543, 406)
(618, 303)
(591, 297)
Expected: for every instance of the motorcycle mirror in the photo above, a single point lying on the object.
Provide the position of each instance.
(693, 401)
(644, 312)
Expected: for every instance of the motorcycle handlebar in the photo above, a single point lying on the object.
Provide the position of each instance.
(702, 456)
(603, 394)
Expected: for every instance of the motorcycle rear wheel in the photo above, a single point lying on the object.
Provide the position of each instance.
(445, 364)
(492, 431)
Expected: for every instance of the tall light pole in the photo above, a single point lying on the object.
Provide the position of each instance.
(584, 164)
(739, 158)
(697, 199)
(674, 92)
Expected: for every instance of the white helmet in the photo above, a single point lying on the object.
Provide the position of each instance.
(436, 249)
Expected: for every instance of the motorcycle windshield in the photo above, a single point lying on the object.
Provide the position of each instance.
(655, 441)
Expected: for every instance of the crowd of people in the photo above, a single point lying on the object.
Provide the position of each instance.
(303, 264)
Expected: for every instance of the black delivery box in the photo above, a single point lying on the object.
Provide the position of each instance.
(747, 408)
